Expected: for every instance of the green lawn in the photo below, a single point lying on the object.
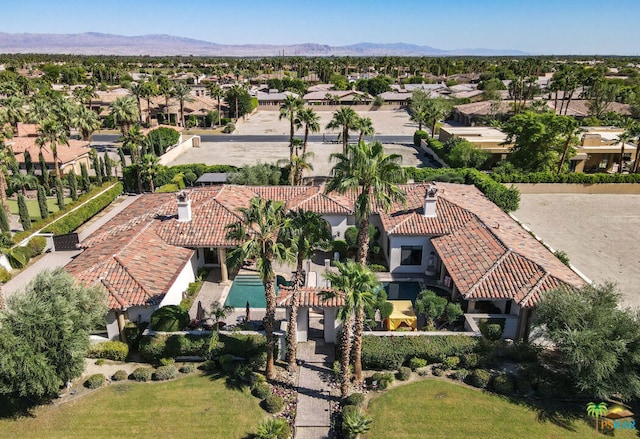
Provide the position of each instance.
(440, 409)
(34, 210)
(192, 407)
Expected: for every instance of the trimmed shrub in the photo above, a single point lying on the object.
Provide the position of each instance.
(169, 319)
(273, 404)
(23, 213)
(141, 374)
(479, 378)
(418, 136)
(437, 371)
(155, 347)
(389, 353)
(470, 361)
(99, 362)
(111, 350)
(187, 368)
(120, 375)
(502, 384)
(355, 399)
(404, 374)
(383, 380)
(164, 373)
(5, 276)
(261, 390)
(451, 362)
(490, 329)
(36, 245)
(95, 381)
(242, 345)
(416, 363)
(340, 247)
(460, 374)
(167, 361)
(351, 236)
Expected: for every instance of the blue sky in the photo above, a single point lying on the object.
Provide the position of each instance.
(542, 27)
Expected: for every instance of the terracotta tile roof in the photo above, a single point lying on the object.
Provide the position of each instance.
(310, 297)
(136, 266)
(66, 153)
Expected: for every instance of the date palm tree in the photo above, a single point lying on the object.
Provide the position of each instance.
(217, 313)
(307, 232)
(365, 126)
(133, 140)
(346, 119)
(124, 112)
(137, 91)
(23, 181)
(367, 169)
(182, 92)
(52, 133)
(289, 110)
(356, 284)
(257, 233)
(311, 122)
(85, 120)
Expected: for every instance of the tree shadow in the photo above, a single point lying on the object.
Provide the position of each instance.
(12, 407)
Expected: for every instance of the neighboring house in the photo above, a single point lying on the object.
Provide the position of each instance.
(272, 97)
(337, 97)
(70, 156)
(450, 234)
(401, 98)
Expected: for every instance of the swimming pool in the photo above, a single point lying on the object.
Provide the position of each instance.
(408, 290)
(247, 288)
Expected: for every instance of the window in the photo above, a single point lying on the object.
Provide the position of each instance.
(210, 256)
(411, 255)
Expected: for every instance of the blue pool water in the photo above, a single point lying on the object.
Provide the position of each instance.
(408, 290)
(247, 288)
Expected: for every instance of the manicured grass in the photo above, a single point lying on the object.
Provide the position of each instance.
(440, 409)
(195, 406)
(34, 210)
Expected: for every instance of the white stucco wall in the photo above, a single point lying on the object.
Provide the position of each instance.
(396, 243)
(112, 326)
(339, 224)
(331, 325)
(186, 276)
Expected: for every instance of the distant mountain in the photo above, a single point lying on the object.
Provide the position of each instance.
(93, 43)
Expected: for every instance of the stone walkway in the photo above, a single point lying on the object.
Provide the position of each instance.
(313, 418)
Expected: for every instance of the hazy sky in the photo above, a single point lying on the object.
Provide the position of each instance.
(538, 27)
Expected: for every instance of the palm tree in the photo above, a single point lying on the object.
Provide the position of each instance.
(23, 181)
(86, 121)
(289, 109)
(365, 126)
(346, 119)
(51, 132)
(623, 139)
(149, 167)
(596, 411)
(570, 129)
(132, 141)
(307, 232)
(311, 122)
(355, 283)
(634, 133)
(217, 314)
(5, 157)
(216, 92)
(182, 92)
(14, 111)
(366, 167)
(124, 112)
(257, 231)
(137, 91)
(149, 91)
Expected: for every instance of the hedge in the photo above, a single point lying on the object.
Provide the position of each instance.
(111, 350)
(20, 236)
(155, 347)
(508, 199)
(565, 177)
(390, 353)
(169, 319)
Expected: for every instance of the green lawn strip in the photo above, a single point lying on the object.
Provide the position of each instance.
(34, 209)
(440, 409)
(194, 406)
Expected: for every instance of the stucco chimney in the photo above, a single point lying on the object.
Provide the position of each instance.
(430, 199)
(184, 206)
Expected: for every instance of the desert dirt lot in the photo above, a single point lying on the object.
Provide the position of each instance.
(389, 122)
(597, 231)
(395, 122)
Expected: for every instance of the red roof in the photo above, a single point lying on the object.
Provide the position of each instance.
(310, 297)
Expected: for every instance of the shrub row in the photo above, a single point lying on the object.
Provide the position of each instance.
(19, 256)
(81, 215)
(18, 237)
(565, 177)
(508, 199)
(155, 347)
(111, 350)
(392, 352)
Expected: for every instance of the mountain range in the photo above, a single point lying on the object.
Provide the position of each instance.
(93, 43)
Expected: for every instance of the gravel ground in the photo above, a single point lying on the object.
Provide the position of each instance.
(597, 231)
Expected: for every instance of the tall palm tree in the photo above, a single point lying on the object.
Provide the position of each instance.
(14, 111)
(149, 168)
(124, 111)
(217, 313)
(5, 157)
(52, 133)
(257, 232)
(634, 133)
(149, 91)
(623, 138)
(307, 232)
(216, 92)
(86, 121)
(570, 129)
(346, 119)
(367, 169)
(356, 283)
(311, 122)
(137, 91)
(182, 92)
(289, 110)
(365, 126)
(23, 181)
